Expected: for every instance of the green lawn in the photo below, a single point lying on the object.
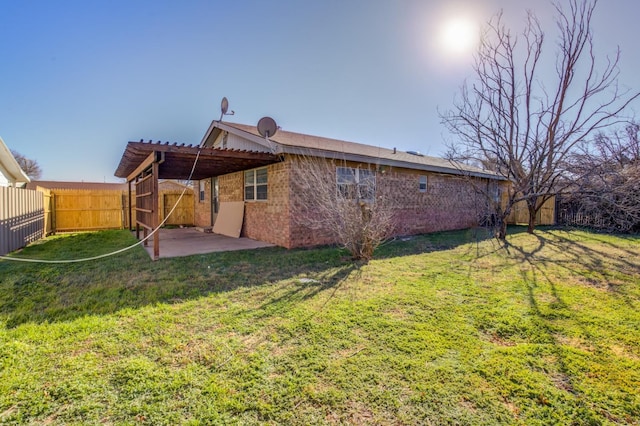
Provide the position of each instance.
(448, 328)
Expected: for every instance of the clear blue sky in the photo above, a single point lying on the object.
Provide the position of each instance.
(81, 78)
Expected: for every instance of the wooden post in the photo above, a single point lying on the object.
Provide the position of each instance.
(52, 206)
(155, 221)
(137, 223)
(130, 224)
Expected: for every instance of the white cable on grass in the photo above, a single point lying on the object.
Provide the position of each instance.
(113, 253)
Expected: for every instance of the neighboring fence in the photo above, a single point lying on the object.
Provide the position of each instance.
(21, 218)
(27, 215)
(574, 216)
(88, 209)
(546, 215)
(581, 213)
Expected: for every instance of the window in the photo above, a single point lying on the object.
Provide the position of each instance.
(422, 184)
(356, 183)
(255, 184)
(202, 187)
(494, 192)
(215, 186)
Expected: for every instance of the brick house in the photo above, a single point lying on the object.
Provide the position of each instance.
(428, 193)
(235, 164)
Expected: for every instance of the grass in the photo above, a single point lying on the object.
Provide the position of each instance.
(447, 328)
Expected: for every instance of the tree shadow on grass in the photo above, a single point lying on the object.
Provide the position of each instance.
(62, 292)
(427, 243)
(594, 258)
(555, 314)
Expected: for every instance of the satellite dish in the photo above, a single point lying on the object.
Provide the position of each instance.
(267, 127)
(224, 105)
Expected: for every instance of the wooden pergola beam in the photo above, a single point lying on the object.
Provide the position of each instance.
(178, 161)
(151, 158)
(155, 215)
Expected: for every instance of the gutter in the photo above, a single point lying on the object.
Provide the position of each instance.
(359, 158)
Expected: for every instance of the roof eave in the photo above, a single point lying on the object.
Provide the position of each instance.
(359, 158)
(11, 165)
(211, 135)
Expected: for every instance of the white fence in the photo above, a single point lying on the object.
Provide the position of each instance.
(21, 218)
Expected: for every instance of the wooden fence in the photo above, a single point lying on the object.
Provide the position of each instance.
(184, 212)
(48, 213)
(86, 209)
(21, 218)
(546, 215)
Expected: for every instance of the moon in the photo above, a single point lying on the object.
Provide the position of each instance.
(458, 36)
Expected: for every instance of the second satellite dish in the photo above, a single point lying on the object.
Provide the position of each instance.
(267, 127)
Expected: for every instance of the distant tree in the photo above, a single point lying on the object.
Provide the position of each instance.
(605, 186)
(29, 166)
(349, 209)
(525, 122)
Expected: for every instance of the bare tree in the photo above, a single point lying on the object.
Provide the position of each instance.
(605, 185)
(342, 204)
(525, 121)
(29, 166)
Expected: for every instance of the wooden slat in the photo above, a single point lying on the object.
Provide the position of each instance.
(155, 216)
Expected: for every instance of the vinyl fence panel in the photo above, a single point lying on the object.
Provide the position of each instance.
(21, 218)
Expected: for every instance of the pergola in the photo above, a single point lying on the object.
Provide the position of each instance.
(143, 163)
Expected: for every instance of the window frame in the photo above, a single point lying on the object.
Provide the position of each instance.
(362, 183)
(258, 182)
(201, 191)
(425, 183)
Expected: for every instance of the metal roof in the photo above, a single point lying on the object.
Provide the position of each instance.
(302, 144)
(179, 159)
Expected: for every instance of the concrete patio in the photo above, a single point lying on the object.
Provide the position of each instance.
(180, 242)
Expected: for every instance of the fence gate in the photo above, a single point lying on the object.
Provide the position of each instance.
(183, 213)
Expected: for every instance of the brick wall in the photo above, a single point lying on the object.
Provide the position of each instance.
(202, 210)
(448, 203)
(269, 220)
(302, 233)
(263, 220)
(231, 187)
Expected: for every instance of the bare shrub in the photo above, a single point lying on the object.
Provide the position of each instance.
(605, 190)
(342, 203)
